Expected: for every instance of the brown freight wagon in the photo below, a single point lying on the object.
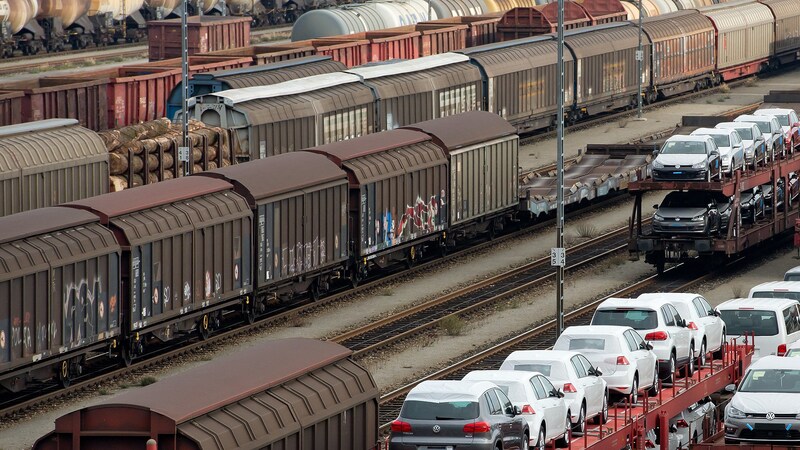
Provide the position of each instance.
(422, 89)
(299, 201)
(521, 80)
(49, 162)
(186, 245)
(10, 107)
(481, 30)
(398, 195)
(292, 115)
(288, 394)
(385, 44)
(59, 281)
(606, 58)
(484, 181)
(526, 22)
(787, 22)
(604, 11)
(204, 34)
(438, 38)
(266, 54)
(683, 45)
(64, 98)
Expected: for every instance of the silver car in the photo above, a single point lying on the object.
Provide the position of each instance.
(764, 408)
(448, 415)
(755, 146)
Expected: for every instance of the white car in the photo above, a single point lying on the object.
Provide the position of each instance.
(707, 328)
(624, 360)
(776, 289)
(792, 274)
(585, 392)
(690, 423)
(659, 323)
(753, 142)
(787, 117)
(687, 158)
(542, 405)
(793, 350)
(764, 407)
(729, 143)
(773, 133)
(773, 322)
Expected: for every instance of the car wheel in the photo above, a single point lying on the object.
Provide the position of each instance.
(580, 425)
(702, 359)
(540, 442)
(635, 390)
(690, 365)
(671, 375)
(718, 353)
(603, 416)
(563, 442)
(654, 389)
(525, 442)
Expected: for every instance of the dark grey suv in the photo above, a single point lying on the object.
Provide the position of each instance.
(692, 212)
(458, 415)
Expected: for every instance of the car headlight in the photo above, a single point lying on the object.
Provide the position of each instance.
(726, 159)
(700, 165)
(657, 217)
(657, 165)
(698, 218)
(735, 413)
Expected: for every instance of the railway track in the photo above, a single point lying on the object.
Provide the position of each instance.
(39, 398)
(684, 277)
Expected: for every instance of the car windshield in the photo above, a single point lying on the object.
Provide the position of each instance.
(745, 133)
(685, 200)
(745, 321)
(764, 126)
(638, 319)
(771, 380)
(684, 148)
(722, 140)
(513, 390)
(779, 294)
(455, 410)
(587, 344)
(543, 368)
(783, 119)
(791, 277)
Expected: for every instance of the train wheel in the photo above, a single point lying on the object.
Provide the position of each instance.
(411, 257)
(249, 311)
(202, 327)
(313, 290)
(126, 358)
(64, 376)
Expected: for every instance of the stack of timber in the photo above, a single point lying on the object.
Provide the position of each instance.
(146, 153)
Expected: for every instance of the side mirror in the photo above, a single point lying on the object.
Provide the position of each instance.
(649, 346)
(714, 313)
(655, 153)
(655, 206)
(714, 154)
(556, 393)
(597, 371)
(673, 428)
(683, 323)
(517, 411)
(730, 388)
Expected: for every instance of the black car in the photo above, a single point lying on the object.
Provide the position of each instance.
(752, 205)
(692, 212)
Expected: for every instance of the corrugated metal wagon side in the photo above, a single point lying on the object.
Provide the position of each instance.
(422, 89)
(683, 52)
(205, 33)
(398, 195)
(745, 37)
(187, 246)
(64, 98)
(484, 181)
(605, 67)
(299, 202)
(10, 107)
(520, 80)
(787, 24)
(49, 162)
(266, 54)
(315, 398)
(59, 281)
(292, 115)
(263, 75)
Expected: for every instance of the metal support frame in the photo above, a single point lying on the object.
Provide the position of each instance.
(560, 170)
(639, 63)
(185, 85)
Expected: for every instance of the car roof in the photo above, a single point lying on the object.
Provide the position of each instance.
(519, 376)
(734, 125)
(686, 137)
(596, 330)
(541, 355)
(795, 269)
(449, 390)
(670, 296)
(793, 345)
(701, 131)
(770, 304)
(776, 362)
(750, 118)
(778, 286)
(773, 111)
(654, 303)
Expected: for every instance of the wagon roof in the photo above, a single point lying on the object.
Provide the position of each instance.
(119, 203)
(262, 68)
(465, 129)
(279, 174)
(409, 66)
(370, 144)
(233, 377)
(292, 87)
(42, 221)
(50, 142)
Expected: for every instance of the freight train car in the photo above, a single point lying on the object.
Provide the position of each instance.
(316, 397)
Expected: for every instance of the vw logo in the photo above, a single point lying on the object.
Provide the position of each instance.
(437, 428)
(770, 416)
(677, 219)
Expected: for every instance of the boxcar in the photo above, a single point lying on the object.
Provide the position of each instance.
(64, 98)
(59, 281)
(745, 34)
(606, 72)
(262, 75)
(299, 202)
(315, 397)
(787, 24)
(292, 115)
(49, 162)
(11, 107)
(682, 52)
(398, 189)
(520, 80)
(186, 248)
(422, 89)
(484, 181)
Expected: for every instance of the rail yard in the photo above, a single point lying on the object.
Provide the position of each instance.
(393, 192)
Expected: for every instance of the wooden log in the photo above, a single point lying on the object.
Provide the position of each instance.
(152, 162)
(137, 180)
(117, 183)
(136, 163)
(197, 168)
(167, 161)
(118, 164)
(149, 145)
(152, 178)
(168, 175)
